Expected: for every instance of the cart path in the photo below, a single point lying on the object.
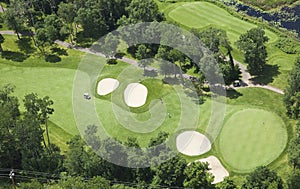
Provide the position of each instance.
(246, 77)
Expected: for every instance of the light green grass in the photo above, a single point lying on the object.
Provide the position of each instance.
(251, 138)
(203, 14)
(56, 80)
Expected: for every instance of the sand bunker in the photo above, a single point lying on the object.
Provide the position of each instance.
(106, 86)
(217, 169)
(192, 143)
(135, 95)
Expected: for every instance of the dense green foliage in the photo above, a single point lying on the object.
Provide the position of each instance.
(22, 136)
(216, 39)
(263, 178)
(268, 4)
(292, 92)
(252, 43)
(288, 45)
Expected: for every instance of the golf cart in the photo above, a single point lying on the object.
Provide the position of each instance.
(87, 96)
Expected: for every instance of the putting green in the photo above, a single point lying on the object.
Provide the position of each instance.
(203, 14)
(251, 138)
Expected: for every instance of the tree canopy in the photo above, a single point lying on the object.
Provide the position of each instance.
(252, 43)
(292, 92)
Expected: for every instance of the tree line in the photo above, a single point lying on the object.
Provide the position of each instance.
(74, 20)
(83, 22)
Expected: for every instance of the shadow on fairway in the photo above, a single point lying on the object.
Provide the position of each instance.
(150, 73)
(25, 45)
(270, 71)
(14, 56)
(52, 58)
(233, 94)
(171, 81)
(59, 51)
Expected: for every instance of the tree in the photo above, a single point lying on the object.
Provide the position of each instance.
(143, 11)
(109, 48)
(1, 41)
(141, 52)
(13, 21)
(76, 154)
(216, 41)
(91, 20)
(53, 25)
(170, 173)
(262, 178)
(292, 92)
(294, 179)
(34, 184)
(45, 37)
(252, 43)
(30, 137)
(294, 149)
(9, 115)
(67, 11)
(41, 108)
(166, 68)
(226, 184)
(197, 176)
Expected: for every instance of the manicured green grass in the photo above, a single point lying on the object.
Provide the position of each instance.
(203, 14)
(251, 138)
(59, 137)
(56, 81)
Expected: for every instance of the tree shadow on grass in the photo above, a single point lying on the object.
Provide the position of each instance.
(25, 45)
(171, 81)
(233, 94)
(52, 58)
(196, 98)
(150, 73)
(14, 56)
(59, 51)
(270, 71)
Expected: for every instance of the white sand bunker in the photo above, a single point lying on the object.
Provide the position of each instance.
(135, 95)
(192, 143)
(217, 169)
(106, 86)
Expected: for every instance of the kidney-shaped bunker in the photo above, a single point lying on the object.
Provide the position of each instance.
(135, 95)
(192, 143)
(106, 86)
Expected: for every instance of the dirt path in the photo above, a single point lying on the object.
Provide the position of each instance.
(246, 77)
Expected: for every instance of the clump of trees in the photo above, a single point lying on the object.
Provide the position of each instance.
(294, 159)
(22, 141)
(79, 21)
(252, 43)
(217, 42)
(264, 178)
(292, 92)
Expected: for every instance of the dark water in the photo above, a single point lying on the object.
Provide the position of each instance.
(288, 18)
